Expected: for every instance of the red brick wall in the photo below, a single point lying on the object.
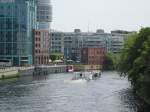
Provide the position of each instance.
(40, 53)
(92, 56)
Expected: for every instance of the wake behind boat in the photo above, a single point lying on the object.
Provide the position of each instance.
(95, 75)
(77, 78)
(82, 77)
(75, 81)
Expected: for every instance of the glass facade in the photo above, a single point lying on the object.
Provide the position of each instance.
(17, 20)
(57, 42)
(44, 14)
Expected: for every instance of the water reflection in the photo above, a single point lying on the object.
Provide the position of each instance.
(49, 93)
(40, 77)
(133, 102)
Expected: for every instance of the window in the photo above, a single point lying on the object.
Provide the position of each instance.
(36, 51)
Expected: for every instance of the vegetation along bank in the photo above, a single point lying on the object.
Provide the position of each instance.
(134, 62)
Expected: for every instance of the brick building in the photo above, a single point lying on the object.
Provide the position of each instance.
(93, 57)
(41, 47)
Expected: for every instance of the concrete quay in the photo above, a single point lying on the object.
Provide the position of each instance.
(50, 69)
(13, 72)
(6, 73)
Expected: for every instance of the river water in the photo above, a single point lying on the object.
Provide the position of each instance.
(55, 93)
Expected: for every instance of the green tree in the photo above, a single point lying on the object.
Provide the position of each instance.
(56, 56)
(53, 57)
(135, 62)
(111, 61)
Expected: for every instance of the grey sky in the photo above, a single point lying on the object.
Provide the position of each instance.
(106, 14)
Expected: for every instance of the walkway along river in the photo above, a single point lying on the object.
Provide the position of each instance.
(51, 93)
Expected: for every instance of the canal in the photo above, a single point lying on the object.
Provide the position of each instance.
(54, 93)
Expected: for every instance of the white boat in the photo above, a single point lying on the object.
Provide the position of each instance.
(82, 77)
(94, 75)
(77, 78)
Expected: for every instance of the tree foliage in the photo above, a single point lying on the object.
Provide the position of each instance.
(56, 56)
(111, 60)
(135, 61)
(53, 57)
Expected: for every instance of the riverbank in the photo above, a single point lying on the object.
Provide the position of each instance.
(50, 69)
(14, 72)
(143, 93)
(144, 98)
(7, 73)
(83, 67)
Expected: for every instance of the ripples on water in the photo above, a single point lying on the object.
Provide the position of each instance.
(50, 93)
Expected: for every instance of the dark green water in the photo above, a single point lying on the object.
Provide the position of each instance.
(54, 93)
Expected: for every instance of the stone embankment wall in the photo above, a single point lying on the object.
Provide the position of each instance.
(13, 72)
(6, 73)
(50, 69)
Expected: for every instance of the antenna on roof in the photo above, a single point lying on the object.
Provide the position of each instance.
(88, 26)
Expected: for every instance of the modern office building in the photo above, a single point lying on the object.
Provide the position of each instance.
(95, 40)
(41, 47)
(116, 43)
(44, 14)
(73, 42)
(122, 32)
(17, 19)
(116, 40)
(57, 42)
